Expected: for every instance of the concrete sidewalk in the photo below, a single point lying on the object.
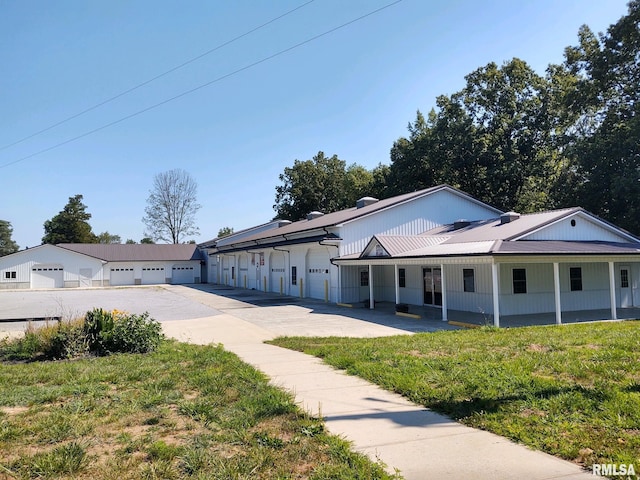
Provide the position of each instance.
(419, 443)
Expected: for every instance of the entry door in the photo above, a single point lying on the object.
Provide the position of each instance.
(432, 285)
(626, 298)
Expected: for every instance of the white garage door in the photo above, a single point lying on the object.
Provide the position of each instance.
(152, 275)
(121, 276)
(276, 269)
(182, 274)
(318, 268)
(243, 274)
(47, 276)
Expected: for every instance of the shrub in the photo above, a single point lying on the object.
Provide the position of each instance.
(132, 333)
(69, 341)
(96, 323)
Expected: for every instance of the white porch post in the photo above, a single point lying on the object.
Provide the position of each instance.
(612, 291)
(371, 301)
(397, 275)
(443, 285)
(556, 288)
(496, 297)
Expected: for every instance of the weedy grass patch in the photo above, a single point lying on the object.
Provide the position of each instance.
(572, 390)
(180, 412)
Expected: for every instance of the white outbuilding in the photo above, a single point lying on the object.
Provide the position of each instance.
(95, 265)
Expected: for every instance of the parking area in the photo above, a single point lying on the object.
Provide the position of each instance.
(280, 315)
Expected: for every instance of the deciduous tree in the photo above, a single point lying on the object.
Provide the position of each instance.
(7, 245)
(172, 206)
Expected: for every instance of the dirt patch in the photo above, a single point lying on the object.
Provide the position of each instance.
(11, 411)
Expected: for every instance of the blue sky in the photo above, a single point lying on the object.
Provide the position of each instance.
(351, 93)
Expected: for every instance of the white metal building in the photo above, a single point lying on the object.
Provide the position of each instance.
(439, 247)
(92, 265)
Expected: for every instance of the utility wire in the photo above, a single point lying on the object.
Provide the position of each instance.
(184, 64)
(200, 87)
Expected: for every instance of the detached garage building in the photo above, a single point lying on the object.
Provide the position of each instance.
(96, 265)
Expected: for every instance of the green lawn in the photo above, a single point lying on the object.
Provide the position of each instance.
(182, 412)
(572, 391)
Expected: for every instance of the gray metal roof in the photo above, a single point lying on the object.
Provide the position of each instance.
(115, 252)
(343, 216)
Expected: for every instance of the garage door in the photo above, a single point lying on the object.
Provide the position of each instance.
(318, 268)
(182, 274)
(276, 269)
(152, 275)
(243, 274)
(47, 276)
(121, 276)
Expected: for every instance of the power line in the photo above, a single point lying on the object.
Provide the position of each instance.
(200, 87)
(171, 70)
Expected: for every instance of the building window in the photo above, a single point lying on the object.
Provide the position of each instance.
(9, 275)
(294, 275)
(575, 278)
(624, 278)
(519, 280)
(364, 278)
(469, 279)
(402, 277)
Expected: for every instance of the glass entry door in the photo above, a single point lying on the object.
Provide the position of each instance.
(432, 285)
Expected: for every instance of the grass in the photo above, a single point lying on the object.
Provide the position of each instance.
(572, 391)
(182, 412)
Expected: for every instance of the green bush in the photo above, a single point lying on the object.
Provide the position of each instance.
(100, 333)
(69, 341)
(132, 333)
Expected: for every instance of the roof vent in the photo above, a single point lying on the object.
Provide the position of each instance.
(508, 217)
(283, 223)
(458, 224)
(366, 201)
(314, 214)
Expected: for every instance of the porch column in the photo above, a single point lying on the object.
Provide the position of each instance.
(371, 301)
(443, 285)
(556, 288)
(496, 296)
(397, 275)
(612, 291)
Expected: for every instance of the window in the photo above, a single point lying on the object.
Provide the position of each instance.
(294, 275)
(233, 273)
(402, 277)
(575, 278)
(364, 278)
(469, 279)
(9, 275)
(519, 280)
(624, 278)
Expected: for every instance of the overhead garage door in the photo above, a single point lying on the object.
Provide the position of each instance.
(243, 274)
(276, 270)
(318, 268)
(182, 274)
(152, 275)
(121, 276)
(47, 276)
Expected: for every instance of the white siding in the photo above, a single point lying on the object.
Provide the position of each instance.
(480, 301)
(411, 218)
(72, 263)
(584, 229)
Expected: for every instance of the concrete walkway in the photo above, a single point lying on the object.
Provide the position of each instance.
(415, 441)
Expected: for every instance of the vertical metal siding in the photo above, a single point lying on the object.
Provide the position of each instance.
(584, 230)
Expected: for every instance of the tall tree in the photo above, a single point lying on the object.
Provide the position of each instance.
(491, 139)
(225, 232)
(172, 206)
(323, 183)
(71, 225)
(7, 245)
(605, 141)
(106, 237)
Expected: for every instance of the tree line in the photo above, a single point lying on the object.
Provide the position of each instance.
(512, 138)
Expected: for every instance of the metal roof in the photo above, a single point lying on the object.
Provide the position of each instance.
(118, 252)
(349, 214)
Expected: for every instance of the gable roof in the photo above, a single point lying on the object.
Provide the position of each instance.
(492, 237)
(115, 252)
(343, 216)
